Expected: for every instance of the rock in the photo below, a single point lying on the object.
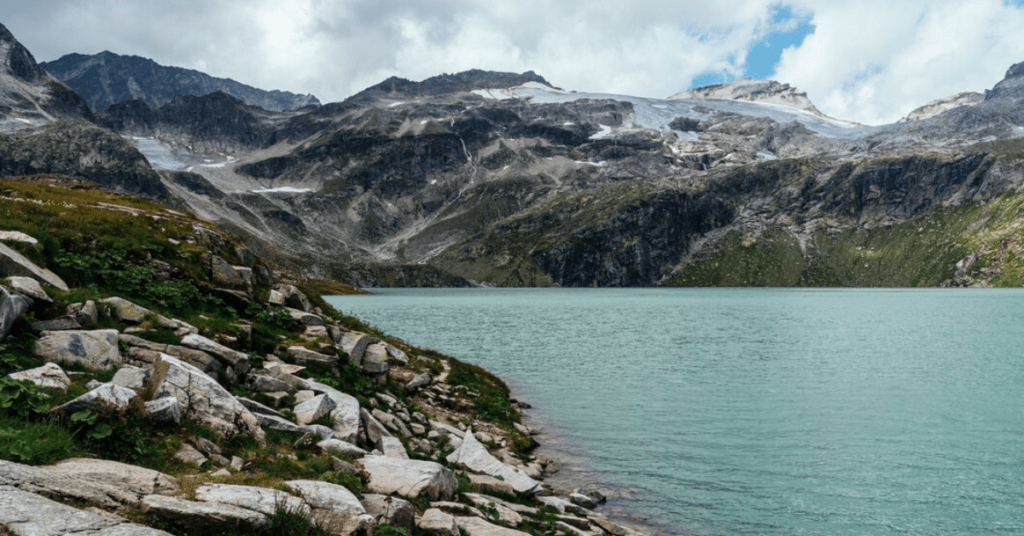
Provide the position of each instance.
(278, 423)
(201, 515)
(134, 479)
(224, 274)
(13, 263)
(105, 399)
(164, 410)
(342, 448)
(570, 530)
(490, 485)
(418, 382)
(374, 429)
(290, 296)
(609, 527)
(354, 344)
(188, 454)
(304, 395)
(342, 465)
(62, 323)
(474, 457)
(203, 400)
(375, 359)
(346, 415)
(236, 463)
(42, 480)
(409, 478)
(304, 355)
(392, 447)
(506, 516)
(483, 437)
(392, 511)
(49, 376)
(417, 429)
(87, 314)
(94, 349)
(268, 384)
(397, 356)
(238, 360)
(582, 500)
(577, 522)
(18, 236)
(256, 407)
(25, 513)
(263, 500)
(304, 318)
(313, 333)
(474, 526)
(12, 306)
(434, 522)
(28, 287)
(334, 507)
(127, 311)
(315, 408)
(207, 447)
(131, 377)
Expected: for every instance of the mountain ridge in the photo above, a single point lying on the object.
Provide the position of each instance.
(107, 78)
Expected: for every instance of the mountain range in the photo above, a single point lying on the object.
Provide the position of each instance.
(106, 78)
(503, 179)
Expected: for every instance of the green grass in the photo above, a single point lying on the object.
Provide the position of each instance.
(34, 443)
(771, 260)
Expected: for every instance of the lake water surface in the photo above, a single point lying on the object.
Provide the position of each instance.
(753, 411)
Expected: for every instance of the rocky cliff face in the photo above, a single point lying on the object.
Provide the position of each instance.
(28, 95)
(500, 178)
(106, 79)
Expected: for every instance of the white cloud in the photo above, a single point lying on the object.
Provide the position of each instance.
(870, 61)
(876, 61)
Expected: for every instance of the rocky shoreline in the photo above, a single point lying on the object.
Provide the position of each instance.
(346, 429)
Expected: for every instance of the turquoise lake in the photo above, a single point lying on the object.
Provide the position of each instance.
(755, 411)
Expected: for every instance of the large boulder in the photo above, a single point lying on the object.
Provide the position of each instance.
(203, 400)
(388, 510)
(12, 306)
(474, 526)
(318, 407)
(137, 480)
(204, 515)
(49, 376)
(28, 287)
(239, 361)
(345, 416)
(435, 522)
(263, 500)
(374, 429)
(44, 481)
(354, 344)
(96, 349)
(473, 456)
(409, 478)
(107, 398)
(25, 513)
(335, 509)
(14, 263)
(375, 359)
(165, 410)
(291, 297)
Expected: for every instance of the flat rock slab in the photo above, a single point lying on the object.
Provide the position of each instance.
(26, 286)
(43, 481)
(263, 500)
(474, 526)
(344, 448)
(96, 349)
(49, 376)
(137, 480)
(318, 407)
(28, 514)
(409, 478)
(327, 496)
(473, 456)
(107, 398)
(195, 514)
(434, 522)
(14, 263)
(227, 355)
(345, 417)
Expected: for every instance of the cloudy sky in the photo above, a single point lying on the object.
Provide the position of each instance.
(870, 61)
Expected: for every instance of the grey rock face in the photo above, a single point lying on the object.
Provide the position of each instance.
(435, 522)
(391, 511)
(29, 287)
(343, 448)
(375, 359)
(354, 344)
(346, 414)
(164, 410)
(25, 513)
(137, 480)
(263, 500)
(203, 400)
(202, 514)
(13, 263)
(409, 478)
(107, 398)
(474, 526)
(49, 376)
(315, 408)
(12, 306)
(133, 378)
(95, 349)
(473, 456)
(291, 297)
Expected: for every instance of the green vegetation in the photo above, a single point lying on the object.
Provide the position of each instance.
(771, 260)
(33, 443)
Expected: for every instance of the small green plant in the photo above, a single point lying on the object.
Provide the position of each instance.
(33, 443)
(291, 522)
(388, 530)
(22, 398)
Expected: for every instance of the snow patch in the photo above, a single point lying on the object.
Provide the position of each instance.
(605, 131)
(766, 156)
(393, 104)
(283, 190)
